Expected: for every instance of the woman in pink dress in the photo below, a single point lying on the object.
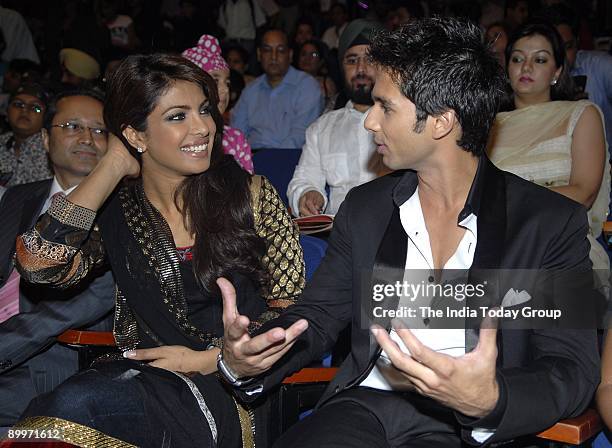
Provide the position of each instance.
(207, 56)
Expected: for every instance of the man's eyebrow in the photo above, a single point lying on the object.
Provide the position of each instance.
(385, 102)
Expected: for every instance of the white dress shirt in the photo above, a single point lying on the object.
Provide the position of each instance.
(420, 258)
(337, 151)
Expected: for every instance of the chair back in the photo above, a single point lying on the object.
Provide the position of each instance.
(278, 166)
(314, 251)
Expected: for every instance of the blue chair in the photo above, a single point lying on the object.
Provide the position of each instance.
(314, 251)
(278, 166)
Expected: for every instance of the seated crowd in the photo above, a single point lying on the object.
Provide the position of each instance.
(132, 202)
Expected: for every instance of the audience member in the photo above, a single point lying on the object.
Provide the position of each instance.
(188, 26)
(549, 140)
(20, 71)
(17, 37)
(436, 93)
(313, 58)
(31, 363)
(237, 85)
(275, 109)
(207, 56)
(304, 31)
(22, 155)
(596, 66)
(191, 216)
(338, 149)
(496, 37)
(238, 60)
(340, 18)
(240, 20)
(403, 12)
(120, 26)
(78, 67)
(516, 13)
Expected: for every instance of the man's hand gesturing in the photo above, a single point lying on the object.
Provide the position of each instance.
(246, 356)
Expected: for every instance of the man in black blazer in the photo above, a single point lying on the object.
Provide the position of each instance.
(436, 94)
(31, 362)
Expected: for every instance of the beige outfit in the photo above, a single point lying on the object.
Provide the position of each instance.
(535, 143)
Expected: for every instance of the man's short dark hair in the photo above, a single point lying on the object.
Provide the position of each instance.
(269, 30)
(441, 64)
(94, 93)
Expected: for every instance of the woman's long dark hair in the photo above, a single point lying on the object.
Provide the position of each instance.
(216, 204)
(564, 88)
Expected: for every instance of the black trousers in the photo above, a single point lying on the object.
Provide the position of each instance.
(364, 417)
(141, 405)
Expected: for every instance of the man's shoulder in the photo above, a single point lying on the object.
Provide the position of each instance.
(381, 187)
(29, 188)
(526, 197)
(253, 86)
(328, 119)
(301, 79)
(587, 60)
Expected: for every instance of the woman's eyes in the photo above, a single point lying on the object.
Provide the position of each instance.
(541, 60)
(177, 117)
(180, 116)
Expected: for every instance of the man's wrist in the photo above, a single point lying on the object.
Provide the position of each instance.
(228, 375)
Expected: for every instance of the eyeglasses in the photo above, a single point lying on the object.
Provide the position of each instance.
(355, 60)
(281, 49)
(34, 107)
(310, 54)
(72, 128)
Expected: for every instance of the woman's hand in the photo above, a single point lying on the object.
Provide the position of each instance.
(114, 166)
(120, 159)
(177, 358)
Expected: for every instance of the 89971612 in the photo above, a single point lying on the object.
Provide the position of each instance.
(38, 434)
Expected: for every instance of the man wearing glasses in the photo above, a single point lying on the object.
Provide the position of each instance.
(339, 152)
(31, 317)
(22, 156)
(275, 109)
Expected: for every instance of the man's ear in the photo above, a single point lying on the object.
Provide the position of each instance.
(258, 55)
(443, 124)
(45, 139)
(135, 138)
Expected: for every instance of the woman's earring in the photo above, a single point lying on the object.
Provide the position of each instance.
(140, 150)
(554, 81)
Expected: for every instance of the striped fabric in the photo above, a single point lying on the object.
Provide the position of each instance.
(9, 297)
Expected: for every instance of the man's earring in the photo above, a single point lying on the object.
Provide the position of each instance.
(140, 150)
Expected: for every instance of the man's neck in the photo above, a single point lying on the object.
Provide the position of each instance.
(276, 80)
(67, 180)
(447, 184)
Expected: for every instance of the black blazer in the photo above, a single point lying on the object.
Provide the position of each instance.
(44, 312)
(544, 375)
